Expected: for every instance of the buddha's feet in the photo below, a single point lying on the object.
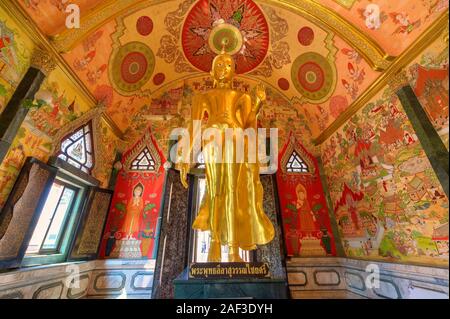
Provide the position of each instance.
(233, 255)
(214, 254)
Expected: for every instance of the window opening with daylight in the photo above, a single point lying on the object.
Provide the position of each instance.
(143, 162)
(296, 164)
(200, 161)
(52, 223)
(77, 150)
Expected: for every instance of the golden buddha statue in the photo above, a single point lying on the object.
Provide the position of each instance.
(232, 208)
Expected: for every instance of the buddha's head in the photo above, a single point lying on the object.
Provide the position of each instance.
(138, 190)
(223, 70)
(300, 190)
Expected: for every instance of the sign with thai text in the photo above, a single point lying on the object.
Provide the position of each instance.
(229, 270)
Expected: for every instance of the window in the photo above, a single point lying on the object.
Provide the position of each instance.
(296, 164)
(143, 162)
(200, 161)
(203, 238)
(77, 150)
(53, 220)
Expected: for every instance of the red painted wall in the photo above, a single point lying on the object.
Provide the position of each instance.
(305, 216)
(146, 208)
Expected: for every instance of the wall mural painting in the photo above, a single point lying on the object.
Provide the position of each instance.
(28, 142)
(306, 221)
(15, 50)
(429, 79)
(132, 222)
(61, 104)
(387, 200)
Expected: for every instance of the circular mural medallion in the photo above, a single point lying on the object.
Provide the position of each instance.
(144, 25)
(305, 36)
(132, 66)
(313, 76)
(239, 26)
(225, 36)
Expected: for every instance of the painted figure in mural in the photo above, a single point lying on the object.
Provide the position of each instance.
(134, 209)
(232, 206)
(306, 216)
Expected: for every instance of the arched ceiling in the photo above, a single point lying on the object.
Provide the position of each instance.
(143, 59)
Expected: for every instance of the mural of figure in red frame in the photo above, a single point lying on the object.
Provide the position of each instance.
(134, 209)
(306, 222)
(133, 219)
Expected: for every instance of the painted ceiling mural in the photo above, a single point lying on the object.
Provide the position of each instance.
(50, 15)
(129, 60)
(147, 48)
(392, 24)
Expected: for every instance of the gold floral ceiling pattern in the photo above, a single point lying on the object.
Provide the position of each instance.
(318, 56)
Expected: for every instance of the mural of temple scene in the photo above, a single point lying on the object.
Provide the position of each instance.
(116, 162)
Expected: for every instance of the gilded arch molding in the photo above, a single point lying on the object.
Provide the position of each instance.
(326, 18)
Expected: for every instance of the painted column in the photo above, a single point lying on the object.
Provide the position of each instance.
(115, 171)
(334, 227)
(14, 113)
(431, 142)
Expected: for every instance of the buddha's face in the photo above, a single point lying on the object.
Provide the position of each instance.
(301, 196)
(223, 68)
(137, 192)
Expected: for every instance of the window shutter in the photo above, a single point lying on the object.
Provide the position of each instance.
(91, 226)
(22, 209)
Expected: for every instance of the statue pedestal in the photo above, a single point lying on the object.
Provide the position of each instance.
(127, 248)
(311, 247)
(251, 288)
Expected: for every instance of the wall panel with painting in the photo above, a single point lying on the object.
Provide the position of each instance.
(304, 211)
(131, 228)
(387, 200)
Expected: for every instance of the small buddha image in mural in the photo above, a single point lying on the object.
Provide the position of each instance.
(134, 211)
(306, 217)
(129, 246)
(310, 244)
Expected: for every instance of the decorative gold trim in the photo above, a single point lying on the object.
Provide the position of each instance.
(14, 10)
(399, 80)
(426, 39)
(112, 125)
(93, 115)
(43, 61)
(315, 12)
